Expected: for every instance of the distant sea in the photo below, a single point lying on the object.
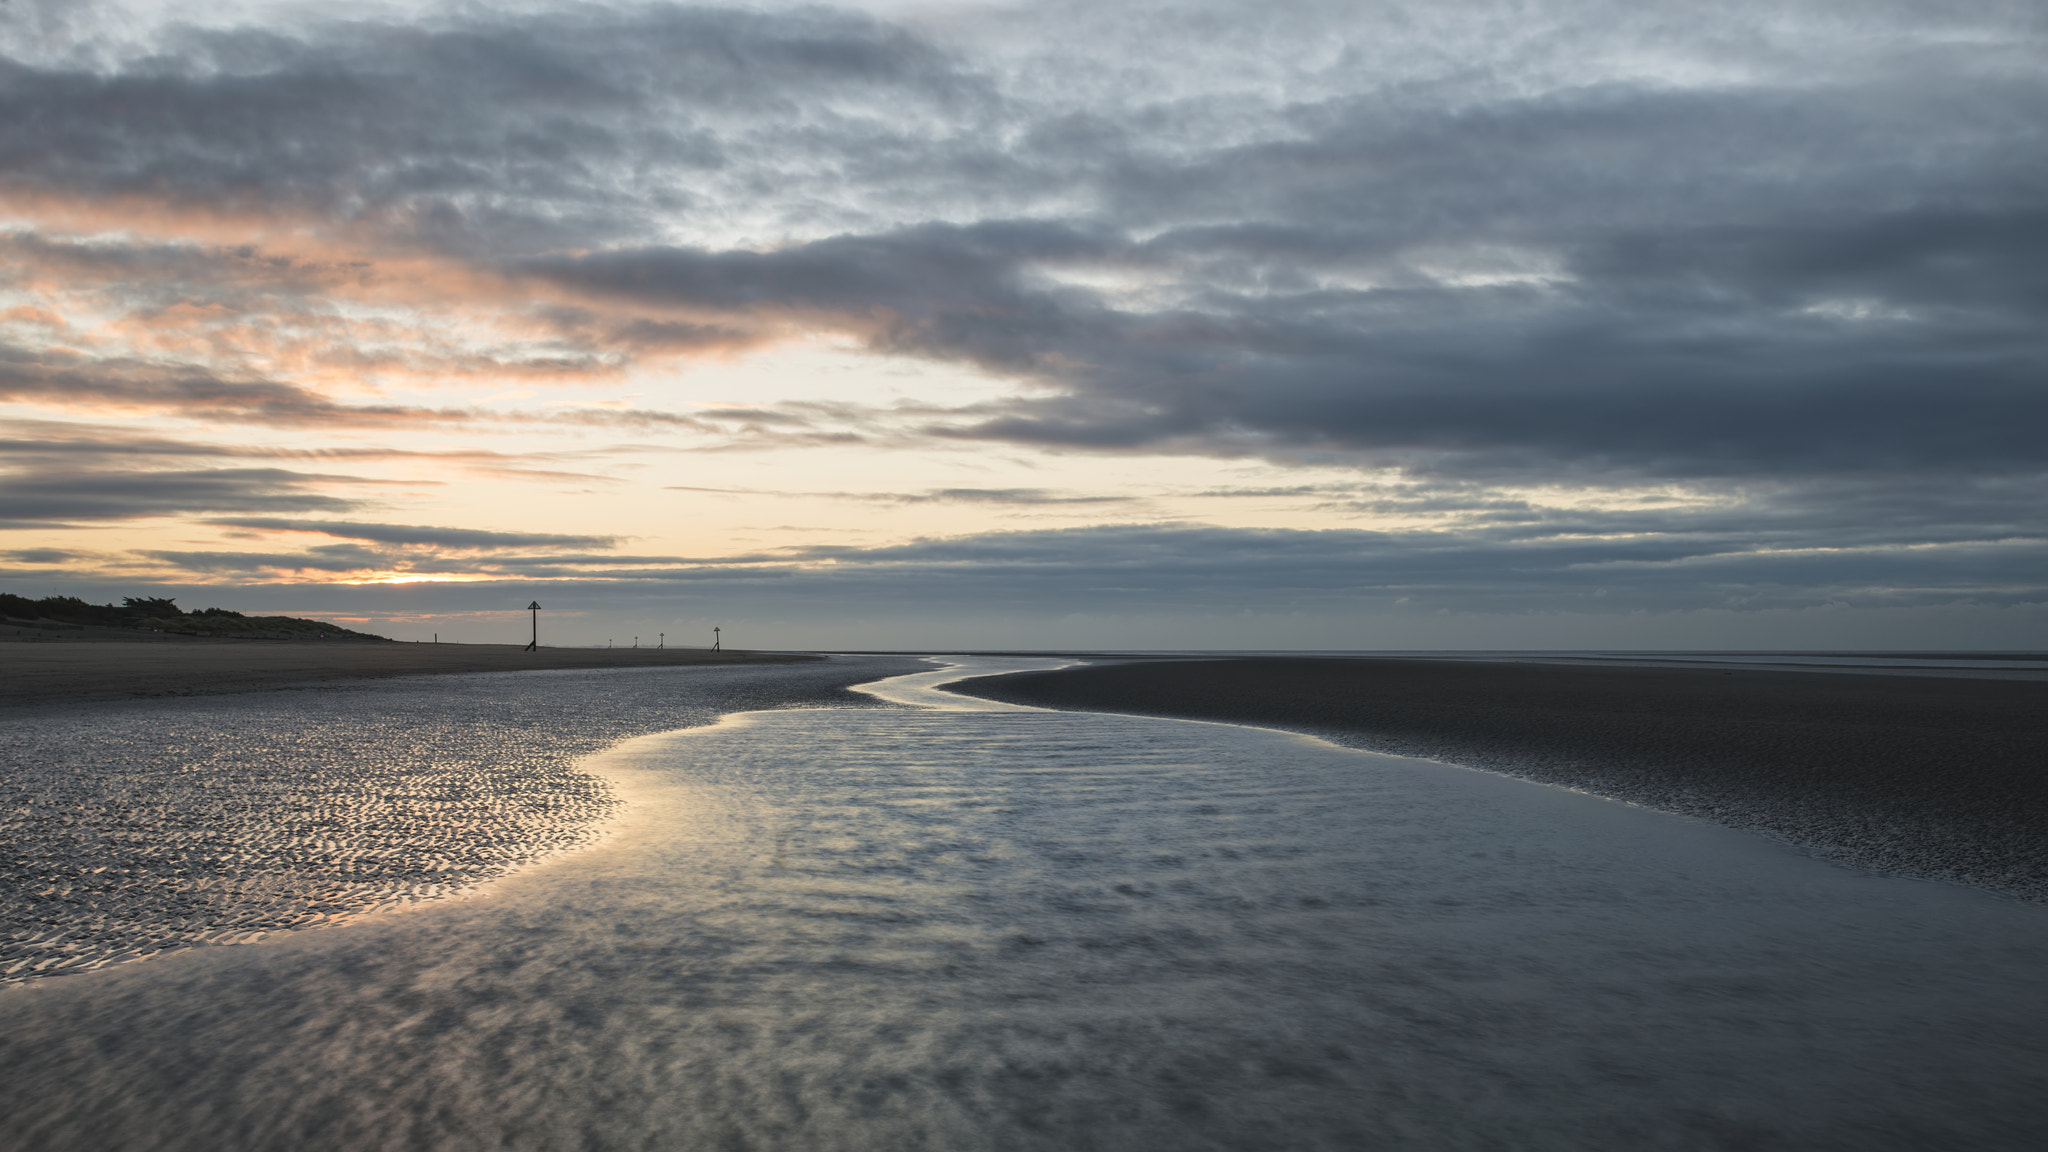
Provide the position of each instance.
(1993, 665)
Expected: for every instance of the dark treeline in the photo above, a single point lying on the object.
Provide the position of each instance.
(157, 614)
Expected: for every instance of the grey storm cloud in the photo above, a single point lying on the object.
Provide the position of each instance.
(193, 393)
(56, 495)
(1171, 568)
(35, 443)
(1794, 254)
(40, 555)
(468, 126)
(1827, 257)
(452, 538)
(1020, 496)
(127, 383)
(1003, 496)
(1701, 363)
(29, 440)
(1161, 568)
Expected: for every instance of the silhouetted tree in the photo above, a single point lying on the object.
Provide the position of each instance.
(151, 606)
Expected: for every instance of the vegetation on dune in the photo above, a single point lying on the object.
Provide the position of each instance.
(156, 614)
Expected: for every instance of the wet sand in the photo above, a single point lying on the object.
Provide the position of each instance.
(1923, 776)
(956, 930)
(140, 827)
(38, 669)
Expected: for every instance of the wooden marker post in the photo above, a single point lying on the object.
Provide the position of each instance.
(534, 645)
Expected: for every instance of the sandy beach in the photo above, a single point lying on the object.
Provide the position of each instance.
(135, 827)
(159, 796)
(906, 920)
(1933, 777)
(38, 669)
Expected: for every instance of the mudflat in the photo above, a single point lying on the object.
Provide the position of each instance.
(53, 671)
(1944, 778)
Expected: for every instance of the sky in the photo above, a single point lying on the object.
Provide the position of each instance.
(1529, 324)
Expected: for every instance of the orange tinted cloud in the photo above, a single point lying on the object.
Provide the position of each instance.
(328, 303)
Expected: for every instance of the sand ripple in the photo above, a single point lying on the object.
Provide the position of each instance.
(130, 830)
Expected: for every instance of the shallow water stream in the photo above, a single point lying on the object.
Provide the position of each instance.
(962, 925)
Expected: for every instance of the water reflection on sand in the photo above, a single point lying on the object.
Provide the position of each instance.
(136, 828)
(853, 929)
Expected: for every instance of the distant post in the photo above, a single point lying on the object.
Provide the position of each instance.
(663, 642)
(714, 639)
(534, 645)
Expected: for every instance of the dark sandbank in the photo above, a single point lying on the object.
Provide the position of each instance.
(1939, 778)
(38, 669)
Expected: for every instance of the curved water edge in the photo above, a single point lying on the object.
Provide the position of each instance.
(1931, 778)
(631, 768)
(972, 927)
(136, 829)
(926, 689)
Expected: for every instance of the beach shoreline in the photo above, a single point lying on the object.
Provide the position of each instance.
(143, 826)
(1932, 777)
(38, 670)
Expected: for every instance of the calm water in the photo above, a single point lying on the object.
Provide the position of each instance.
(130, 829)
(962, 926)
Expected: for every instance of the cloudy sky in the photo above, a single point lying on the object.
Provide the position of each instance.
(1543, 323)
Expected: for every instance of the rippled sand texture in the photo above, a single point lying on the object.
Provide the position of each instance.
(130, 829)
(1014, 930)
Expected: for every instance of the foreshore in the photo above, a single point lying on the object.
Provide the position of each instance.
(136, 827)
(1932, 777)
(38, 670)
